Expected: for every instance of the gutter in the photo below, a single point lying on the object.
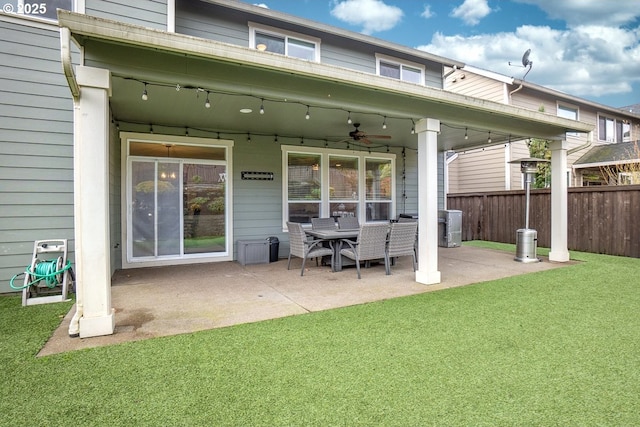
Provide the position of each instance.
(67, 66)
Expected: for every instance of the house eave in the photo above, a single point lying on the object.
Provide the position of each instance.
(450, 106)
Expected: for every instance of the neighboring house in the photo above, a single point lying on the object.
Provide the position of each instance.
(161, 132)
(488, 168)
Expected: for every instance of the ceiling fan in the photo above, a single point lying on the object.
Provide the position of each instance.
(358, 135)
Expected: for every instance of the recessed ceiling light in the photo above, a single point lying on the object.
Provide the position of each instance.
(246, 110)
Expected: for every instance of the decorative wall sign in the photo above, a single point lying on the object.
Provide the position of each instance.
(260, 176)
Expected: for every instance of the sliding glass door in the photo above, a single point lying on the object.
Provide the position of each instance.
(178, 205)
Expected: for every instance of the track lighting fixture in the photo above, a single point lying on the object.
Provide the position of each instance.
(466, 135)
(489, 139)
(308, 115)
(262, 106)
(349, 121)
(413, 128)
(248, 137)
(145, 95)
(384, 123)
(207, 103)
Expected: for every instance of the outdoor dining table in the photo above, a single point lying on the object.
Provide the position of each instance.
(335, 237)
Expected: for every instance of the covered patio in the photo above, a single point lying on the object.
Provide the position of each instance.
(256, 102)
(155, 302)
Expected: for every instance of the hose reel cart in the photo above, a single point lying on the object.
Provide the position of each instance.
(47, 281)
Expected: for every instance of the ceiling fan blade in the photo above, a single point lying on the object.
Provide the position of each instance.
(378, 136)
(365, 140)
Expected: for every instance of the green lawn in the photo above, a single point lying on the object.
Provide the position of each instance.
(555, 348)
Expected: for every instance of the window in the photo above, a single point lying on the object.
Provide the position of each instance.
(400, 70)
(379, 173)
(628, 178)
(343, 186)
(613, 130)
(43, 9)
(568, 112)
(322, 182)
(285, 43)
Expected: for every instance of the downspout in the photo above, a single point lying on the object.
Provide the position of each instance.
(67, 67)
(583, 146)
(515, 90)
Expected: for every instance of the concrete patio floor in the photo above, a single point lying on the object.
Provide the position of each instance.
(154, 302)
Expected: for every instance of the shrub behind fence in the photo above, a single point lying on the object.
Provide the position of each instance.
(603, 220)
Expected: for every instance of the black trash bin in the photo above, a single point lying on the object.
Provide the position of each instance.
(274, 247)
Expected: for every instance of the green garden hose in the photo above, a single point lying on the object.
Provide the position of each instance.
(49, 271)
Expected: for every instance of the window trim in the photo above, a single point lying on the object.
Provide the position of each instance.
(402, 63)
(277, 32)
(615, 120)
(325, 201)
(569, 107)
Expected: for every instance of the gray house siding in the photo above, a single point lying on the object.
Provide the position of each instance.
(148, 13)
(257, 204)
(36, 145)
(201, 19)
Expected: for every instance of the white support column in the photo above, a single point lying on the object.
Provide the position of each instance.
(559, 213)
(428, 272)
(94, 313)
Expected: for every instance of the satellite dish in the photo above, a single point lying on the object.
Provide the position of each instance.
(525, 59)
(526, 63)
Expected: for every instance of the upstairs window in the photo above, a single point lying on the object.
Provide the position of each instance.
(613, 130)
(400, 70)
(568, 112)
(270, 39)
(42, 9)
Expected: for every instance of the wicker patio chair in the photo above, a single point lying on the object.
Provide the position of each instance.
(370, 244)
(348, 222)
(323, 224)
(402, 242)
(302, 247)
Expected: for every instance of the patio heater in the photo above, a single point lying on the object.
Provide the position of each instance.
(526, 238)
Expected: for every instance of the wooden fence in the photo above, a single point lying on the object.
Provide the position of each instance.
(602, 220)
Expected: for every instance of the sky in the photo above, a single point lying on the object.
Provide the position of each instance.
(587, 48)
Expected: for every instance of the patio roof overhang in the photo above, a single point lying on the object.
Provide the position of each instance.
(238, 77)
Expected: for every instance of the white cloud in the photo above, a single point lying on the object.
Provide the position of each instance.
(584, 61)
(589, 12)
(372, 15)
(427, 13)
(261, 5)
(471, 11)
